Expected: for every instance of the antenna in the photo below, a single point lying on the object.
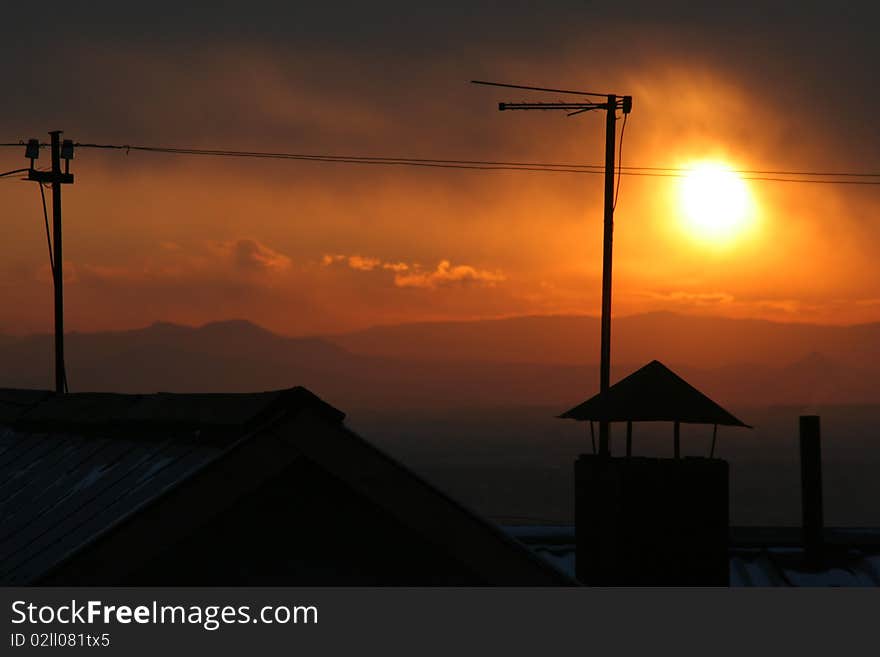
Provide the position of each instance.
(612, 103)
(522, 86)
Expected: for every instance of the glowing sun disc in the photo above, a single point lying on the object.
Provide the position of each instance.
(715, 202)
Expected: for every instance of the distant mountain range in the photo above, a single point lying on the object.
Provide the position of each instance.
(697, 341)
(518, 361)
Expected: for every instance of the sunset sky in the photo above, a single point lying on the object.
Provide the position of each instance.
(315, 247)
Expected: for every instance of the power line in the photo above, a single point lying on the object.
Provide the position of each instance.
(383, 158)
(669, 172)
(48, 239)
(13, 172)
(619, 160)
(789, 176)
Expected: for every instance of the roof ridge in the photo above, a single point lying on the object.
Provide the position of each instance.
(223, 411)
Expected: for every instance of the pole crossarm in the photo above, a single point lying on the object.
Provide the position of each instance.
(50, 177)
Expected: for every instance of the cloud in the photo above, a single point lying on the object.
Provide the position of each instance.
(203, 263)
(789, 306)
(696, 298)
(414, 275)
(251, 255)
(329, 259)
(447, 274)
(363, 264)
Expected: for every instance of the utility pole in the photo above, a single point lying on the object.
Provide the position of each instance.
(607, 239)
(56, 178)
(611, 105)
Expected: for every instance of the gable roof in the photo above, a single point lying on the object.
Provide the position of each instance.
(87, 475)
(652, 393)
(74, 466)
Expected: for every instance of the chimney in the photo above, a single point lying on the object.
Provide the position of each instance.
(811, 489)
(651, 522)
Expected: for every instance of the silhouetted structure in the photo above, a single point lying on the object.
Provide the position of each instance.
(611, 105)
(811, 489)
(55, 177)
(641, 521)
(651, 522)
(226, 489)
(653, 393)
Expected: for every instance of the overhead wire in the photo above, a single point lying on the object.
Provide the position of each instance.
(502, 165)
(48, 239)
(12, 173)
(619, 162)
(789, 176)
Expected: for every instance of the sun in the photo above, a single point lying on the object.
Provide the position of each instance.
(715, 203)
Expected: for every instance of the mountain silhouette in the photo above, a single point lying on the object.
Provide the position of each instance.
(527, 361)
(696, 341)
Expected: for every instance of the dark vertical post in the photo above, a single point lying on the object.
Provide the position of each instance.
(811, 487)
(714, 437)
(58, 273)
(677, 439)
(629, 438)
(605, 360)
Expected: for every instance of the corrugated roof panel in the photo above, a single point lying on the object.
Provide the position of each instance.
(9, 440)
(35, 502)
(27, 453)
(43, 469)
(73, 466)
(831, 577)
(115, 503)
(36, 488)
(62, 490)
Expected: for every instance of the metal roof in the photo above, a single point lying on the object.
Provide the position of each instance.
(86, 480)
(74, 466)
(652, 393)
(60, 491)
(771, 561)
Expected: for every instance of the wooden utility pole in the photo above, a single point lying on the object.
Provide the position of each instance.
(612, 104)
(607, 239)
(56, 178)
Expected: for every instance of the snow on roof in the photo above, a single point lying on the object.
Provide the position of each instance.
(769, 566)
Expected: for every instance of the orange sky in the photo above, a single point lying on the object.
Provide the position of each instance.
(304, 248)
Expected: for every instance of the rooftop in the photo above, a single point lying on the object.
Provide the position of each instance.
(759, 556)
(105, 483)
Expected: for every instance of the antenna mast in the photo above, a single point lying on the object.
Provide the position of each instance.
(611, 104)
